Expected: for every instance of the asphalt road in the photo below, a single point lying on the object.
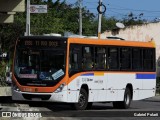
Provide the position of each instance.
(144, 109)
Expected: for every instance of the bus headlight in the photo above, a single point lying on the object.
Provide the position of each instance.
(60, 88)
(15, 87)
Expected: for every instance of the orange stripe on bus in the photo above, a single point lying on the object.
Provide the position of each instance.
(110, 72)
(111, 42)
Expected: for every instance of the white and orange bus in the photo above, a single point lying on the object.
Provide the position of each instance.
(82, 71)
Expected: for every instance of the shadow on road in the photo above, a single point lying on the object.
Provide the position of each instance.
(53, 106)
(66, 106)
(50, 105)
(6, 99)
(60, 107)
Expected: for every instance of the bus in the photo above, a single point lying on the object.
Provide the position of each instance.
(81, 71)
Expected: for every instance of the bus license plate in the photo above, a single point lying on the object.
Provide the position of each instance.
(36, 99)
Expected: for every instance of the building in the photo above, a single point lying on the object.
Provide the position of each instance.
(8, 9)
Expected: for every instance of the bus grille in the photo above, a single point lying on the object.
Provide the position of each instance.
(30, 96)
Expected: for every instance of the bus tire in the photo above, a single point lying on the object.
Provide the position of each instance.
(125, 104)
(82, 100)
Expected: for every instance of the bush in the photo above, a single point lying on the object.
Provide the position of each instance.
(2, 73)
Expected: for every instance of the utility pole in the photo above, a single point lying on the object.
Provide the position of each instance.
(99, 19)
(28, 19)
(80, 16)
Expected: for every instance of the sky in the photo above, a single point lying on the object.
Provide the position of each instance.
(122, 8)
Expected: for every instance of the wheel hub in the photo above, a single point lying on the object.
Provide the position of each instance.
(82, 100)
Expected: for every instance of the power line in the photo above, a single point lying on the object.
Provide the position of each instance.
(134, 10)
(117, 9)
(117, 12)
(129, 10)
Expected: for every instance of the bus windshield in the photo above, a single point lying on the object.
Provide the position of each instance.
(39, 67)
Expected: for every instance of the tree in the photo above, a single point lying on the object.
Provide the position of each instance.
(61, 17)
(132, 19)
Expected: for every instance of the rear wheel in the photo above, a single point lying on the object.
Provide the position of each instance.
(82, 100)
(126, 102)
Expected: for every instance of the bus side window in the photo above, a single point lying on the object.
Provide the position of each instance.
(74, 61)
(125, 58)
(148, 59)
(87, 61)
(113, 59)
(100, 58)
(137, 59)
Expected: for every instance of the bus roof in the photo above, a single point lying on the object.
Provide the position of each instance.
(112, 42)
(91, 41)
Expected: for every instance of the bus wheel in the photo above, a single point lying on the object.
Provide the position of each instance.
(82, 100)
(126, 102)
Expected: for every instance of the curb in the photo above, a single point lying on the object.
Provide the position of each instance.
(153, 99)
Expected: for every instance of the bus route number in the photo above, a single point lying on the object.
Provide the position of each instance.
(28, 43)
(46, 43)
(53, 44)
(41, 43)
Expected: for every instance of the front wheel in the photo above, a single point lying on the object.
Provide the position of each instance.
(82, 100)
(125, 104)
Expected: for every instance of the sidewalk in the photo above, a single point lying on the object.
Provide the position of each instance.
(5, 91)
(154, 99)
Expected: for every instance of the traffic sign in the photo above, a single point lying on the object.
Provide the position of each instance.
(38, 8)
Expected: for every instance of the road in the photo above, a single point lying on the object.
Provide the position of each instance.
(148, 108)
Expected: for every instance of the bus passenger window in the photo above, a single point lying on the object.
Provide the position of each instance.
(100, 58)
(125, 58)
(113, 59)
(87, 61)
(148, 59)
(137, 59)
(74, 61)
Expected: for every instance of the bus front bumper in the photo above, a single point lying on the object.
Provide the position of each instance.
(48, 97)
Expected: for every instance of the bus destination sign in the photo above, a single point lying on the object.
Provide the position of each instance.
(40, 43)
